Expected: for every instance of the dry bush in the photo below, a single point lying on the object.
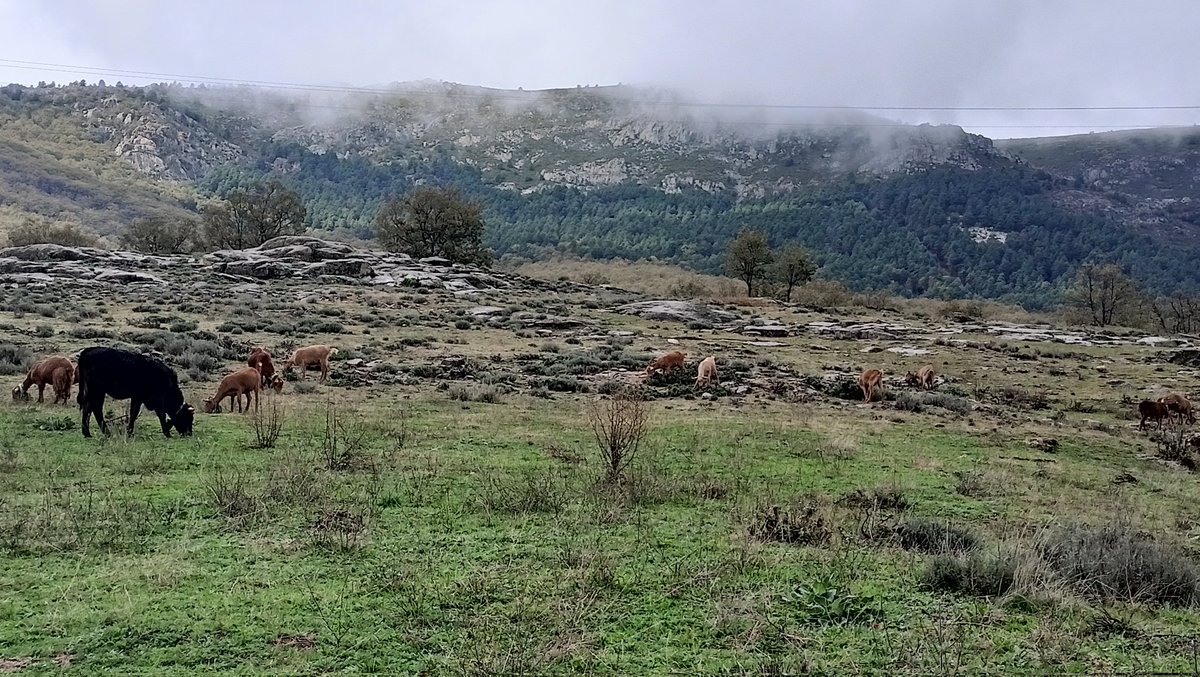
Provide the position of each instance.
(341, 443)
(339, 529)
(233, 500)
(804, 523)
(1115, 562)
(267, 423)
(619, 424)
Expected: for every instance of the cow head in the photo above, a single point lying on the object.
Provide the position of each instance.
(277, 383)
(16, 391)
(183, 419)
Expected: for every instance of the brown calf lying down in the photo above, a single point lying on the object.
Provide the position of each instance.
(1155, 411)
(260, 359)
(241, 382)
(707, 372)
(312, 356)
(922, 377)
(667, 363)
(56, 372)
(870, 382)
(1178, 405)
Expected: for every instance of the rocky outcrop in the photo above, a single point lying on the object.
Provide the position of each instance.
(686, 312)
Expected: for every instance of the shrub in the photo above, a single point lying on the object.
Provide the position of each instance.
(799, 525)
(1115, 562)
(42, 231)
(978, 573)
(619, 425)
(935, 537)
(14, 359)
(821, 602)
(43, 331)
(540, 491)
(919, 401)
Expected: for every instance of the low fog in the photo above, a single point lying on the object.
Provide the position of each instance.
(901, 61)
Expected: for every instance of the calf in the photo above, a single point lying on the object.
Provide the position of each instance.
(1178, 405)
(707, 372)
(870, 382)
(57, 372)
(141, 379)
(246, 382)
(667, 363)
(1155, 411)
(260, 359)
(923, 377)
(311, 356)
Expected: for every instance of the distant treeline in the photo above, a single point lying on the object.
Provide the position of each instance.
(910, 234)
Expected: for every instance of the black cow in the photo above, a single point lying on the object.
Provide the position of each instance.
(125, 375)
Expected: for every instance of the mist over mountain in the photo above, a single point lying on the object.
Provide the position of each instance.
(622, 171)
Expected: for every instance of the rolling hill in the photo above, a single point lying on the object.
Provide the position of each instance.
(609, 172)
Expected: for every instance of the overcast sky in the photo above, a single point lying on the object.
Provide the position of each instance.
(920, 53)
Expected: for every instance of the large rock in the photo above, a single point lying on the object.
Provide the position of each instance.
(678, 311)
(53, 252)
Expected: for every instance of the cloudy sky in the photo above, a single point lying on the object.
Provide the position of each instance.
(925, 54)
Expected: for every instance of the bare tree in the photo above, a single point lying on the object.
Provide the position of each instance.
(1179, 313)
(1102, 291)
(748, 257)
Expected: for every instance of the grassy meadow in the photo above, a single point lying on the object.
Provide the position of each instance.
(442, 505)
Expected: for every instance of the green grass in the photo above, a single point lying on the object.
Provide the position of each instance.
(483, 551)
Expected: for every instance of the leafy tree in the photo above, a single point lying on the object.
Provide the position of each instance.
(434, 222)
(793, 266)
(159, 235)
(36, 230)
(748, 257)
(1102, 291)
(250, 218)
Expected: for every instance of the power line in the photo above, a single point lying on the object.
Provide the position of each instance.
(508, 94)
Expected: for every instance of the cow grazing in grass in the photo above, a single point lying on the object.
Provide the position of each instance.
(1178, 406)
(667, 363)
(870, 382)
(245, 382)
(1152, 410)
(312, 356)
(143, 380)
(56, 372)
(922, 377)
(707, 372)
(261, 360)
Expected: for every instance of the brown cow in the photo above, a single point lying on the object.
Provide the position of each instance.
(667, 363)
(707, 372)
(317, 356)
(57, 372)
(870, 382)
(1155, 411)
(261, 360)
(241, 382)
(1178, 405)
(923, 377)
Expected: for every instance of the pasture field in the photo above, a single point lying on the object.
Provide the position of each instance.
(441, 506)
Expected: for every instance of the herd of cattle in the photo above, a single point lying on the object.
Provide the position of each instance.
(148, 382)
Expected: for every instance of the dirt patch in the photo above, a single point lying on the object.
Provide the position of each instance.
(305, 642)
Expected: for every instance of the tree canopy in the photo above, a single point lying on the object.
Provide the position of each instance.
(248, 218)
(431, 221)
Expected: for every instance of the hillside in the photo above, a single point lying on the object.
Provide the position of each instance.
(612, 172)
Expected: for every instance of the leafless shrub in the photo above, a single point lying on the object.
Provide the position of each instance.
(233, 500)
(535, 491)
(293, 479)
(801, 524)
(339, 529)
(267, 422)
(619, 425)
(341, 443)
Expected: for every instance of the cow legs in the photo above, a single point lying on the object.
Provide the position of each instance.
(166, 425)
(92, 406)
(41, 392)
(135, 408)
(324, 370)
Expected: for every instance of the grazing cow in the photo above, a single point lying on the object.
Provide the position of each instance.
(246, 382)
(707, 372)
(667, 363)
(311, 356)
(141, 379)
(923, 377)
(57, 372)
(260, 359)
(1155, 411)
(1178, 405)
(870, 382)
